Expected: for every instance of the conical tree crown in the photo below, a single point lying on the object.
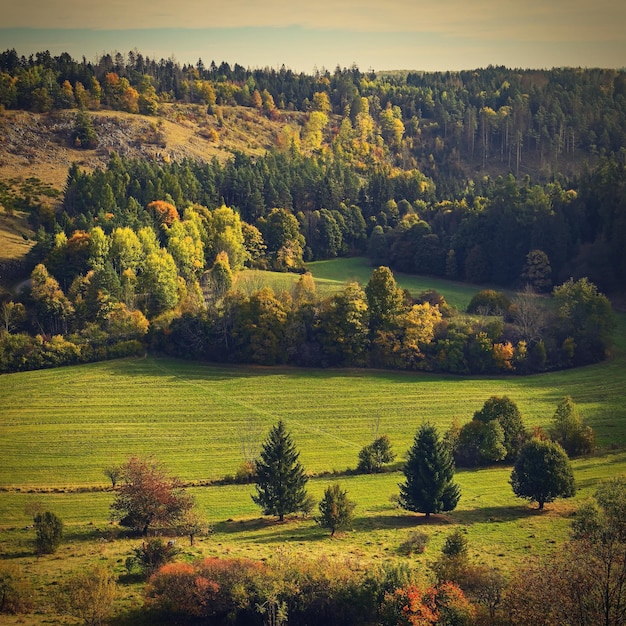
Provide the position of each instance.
(280, 477)
(429, 472)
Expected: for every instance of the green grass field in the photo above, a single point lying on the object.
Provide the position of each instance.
(59, 428)
(331, 276)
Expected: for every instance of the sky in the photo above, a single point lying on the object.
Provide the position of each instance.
(321, 34)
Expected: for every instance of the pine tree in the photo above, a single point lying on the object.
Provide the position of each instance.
(429, 471)
(280, 478)
(336, 510)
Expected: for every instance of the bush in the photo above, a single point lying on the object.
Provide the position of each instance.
(336, 510)
(214, 588)
(415, 543)
(88, 595)
(155, 553)
(49, 529)
(15, 592)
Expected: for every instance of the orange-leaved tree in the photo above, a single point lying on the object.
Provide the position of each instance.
(146, 496)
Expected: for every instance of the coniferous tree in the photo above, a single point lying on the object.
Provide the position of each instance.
(429, 471)
(280, 477)
(336, 510)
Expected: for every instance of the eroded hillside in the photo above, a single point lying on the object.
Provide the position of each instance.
(40, 145)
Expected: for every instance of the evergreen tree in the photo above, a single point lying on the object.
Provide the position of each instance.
(336, 510)
(280, 477)
(429, 471)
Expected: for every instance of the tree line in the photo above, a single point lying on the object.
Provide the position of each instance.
(494, 115)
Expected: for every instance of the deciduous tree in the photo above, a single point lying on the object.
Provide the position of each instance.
(147, 497)
(542, 473)
(569, 430)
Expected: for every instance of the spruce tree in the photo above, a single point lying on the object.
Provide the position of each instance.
(429, 471)
(280, 478)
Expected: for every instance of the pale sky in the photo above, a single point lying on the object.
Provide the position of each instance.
(380, 35)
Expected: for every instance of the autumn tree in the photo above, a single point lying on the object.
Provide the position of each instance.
(146, 496)
(429, 471)
(542, 473)
(336, 509)
(280, 478)
(53, 308)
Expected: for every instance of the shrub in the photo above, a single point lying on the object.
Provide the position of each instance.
(415, 543)
(336, 510)
(88, 595)
(155, 553)
(15, 592)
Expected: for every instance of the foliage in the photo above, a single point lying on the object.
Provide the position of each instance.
(280, 478)
(496, 432)
(336, 510)
(88, 595)
(489, 302)
(586, 316)
(154, 553)
(49, 530)
(415, 543)
(373, 456)
(84, 135)
(505, 412)
(215, 588)
(542, 473)
(147, 497)
(569, 430)
(16, 593)
(415, 605)
(429, 472)
(537, 271)
(479, 443)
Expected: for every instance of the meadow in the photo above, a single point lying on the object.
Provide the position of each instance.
(60, 428)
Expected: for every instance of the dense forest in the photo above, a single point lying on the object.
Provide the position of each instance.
(498, 177)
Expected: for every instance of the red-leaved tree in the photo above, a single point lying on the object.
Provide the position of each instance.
(146, 496)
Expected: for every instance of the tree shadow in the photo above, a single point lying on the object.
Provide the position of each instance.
(497, 514)
(390, 522)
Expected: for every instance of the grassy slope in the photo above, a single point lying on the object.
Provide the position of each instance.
(59, 428)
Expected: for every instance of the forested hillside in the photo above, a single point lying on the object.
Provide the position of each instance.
(497, 176)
